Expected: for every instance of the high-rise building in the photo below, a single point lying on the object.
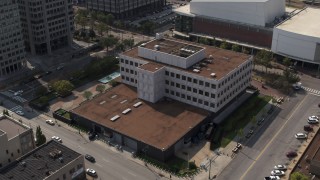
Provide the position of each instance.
(125, 8)
(12, 54)
(47, 24)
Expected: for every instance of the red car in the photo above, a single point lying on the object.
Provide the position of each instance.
(291, 154)
(307, 128)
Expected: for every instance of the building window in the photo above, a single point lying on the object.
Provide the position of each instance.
(167, 90)
(18, 150)
(206, 103)
(126, 61)
(188, 88)
(195, 90)
(207, 84)
(172, 74)
(172, 92)
(178, 94)
(167, 73)
(122, 68)
(183, 77)
(131, 72)
(127, 70)
(194, 99)
(136, 64)
(172, 83)
(178, 76)
(167, 82)
(200, 92)
(213, 86)
(183, 87)
(200, 101)
(200, 82)
(206, 94)
(189, 98)
(177, 85)
(131, 63)
(183, 96)
(122, 60)
(189, 79)
(213, 95)
(212, 105)
(195, 81)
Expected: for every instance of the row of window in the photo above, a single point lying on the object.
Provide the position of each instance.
(190, 89)
(125, 61)
(129, 79)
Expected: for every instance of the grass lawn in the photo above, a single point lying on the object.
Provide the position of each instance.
(241, 117)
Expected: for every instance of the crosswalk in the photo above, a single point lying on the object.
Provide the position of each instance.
(12, 96)
(16, 108)
(312, 91)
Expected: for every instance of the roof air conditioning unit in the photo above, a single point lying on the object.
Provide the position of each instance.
(196, 70)
(156, 47)
(143, 44)
(115, 118)
(137, 104)
(159, 36)
(213, 75)
(126, 111)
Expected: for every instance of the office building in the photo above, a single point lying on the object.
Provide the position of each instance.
(47, 24)
(50, 161)
(16, 139)
(12, 50)
(125, 8)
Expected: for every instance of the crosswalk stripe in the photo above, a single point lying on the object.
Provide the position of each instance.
(312, 91)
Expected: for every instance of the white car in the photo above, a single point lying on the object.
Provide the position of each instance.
(273, 178)
(91, 172)
(313, 117)
(301, 136)
(313, 120)
(280, 167)
(277, 173)
(20, 113)
(56, 138)
(49, 121)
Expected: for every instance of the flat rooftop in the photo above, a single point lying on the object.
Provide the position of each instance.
(40, 162)
(184, 10)
(306, 22)
(160, 125)
(11, 127)
(173, 47)
(223, 61)
(152, 67)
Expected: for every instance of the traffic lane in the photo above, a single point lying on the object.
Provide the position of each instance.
(285, 141)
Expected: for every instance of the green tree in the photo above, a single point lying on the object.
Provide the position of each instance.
(109, 19)
(113, 83)
(128, 43)
(92, 34)
(82, 21)
(286, 61)
(224, 45)
(43, 100)
(87, 94)
(263, 58)
(203, 40)
(120, 47)
(298, 176)
(76, 33)
(290, 77)
(63, 87)
(100, 88)
(41, 138)
(102, 27)
(83, 33)
(147, 27)
(5, 112)
(109, 41)
(236, 48)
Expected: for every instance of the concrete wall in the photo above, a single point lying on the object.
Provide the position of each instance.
(296, 46)
(250, 12)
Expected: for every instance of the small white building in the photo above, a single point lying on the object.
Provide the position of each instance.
(202, 76)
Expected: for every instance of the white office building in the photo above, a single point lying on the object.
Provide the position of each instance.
(199, 75)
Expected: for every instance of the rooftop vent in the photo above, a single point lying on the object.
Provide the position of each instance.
(126, 111)
(55, 153)
(209, 60)
(102, 102)
(196, 70)
(61, 159)
(114, 96)
(123, 101)
(213, 75)
(115, 118)
(23, 164)
(143, 44)
(210, 56)
(137, 104)
(159, 36)
(156, 47)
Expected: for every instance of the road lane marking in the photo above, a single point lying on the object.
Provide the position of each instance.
(98, 165)
(264, 149)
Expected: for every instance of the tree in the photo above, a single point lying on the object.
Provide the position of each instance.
(236, 48)
(290, 77)
(120, 47)
(41, 138)
(263, 58)
(63, 87)
(102, 27)
(92, 34)
(128, 43)
(203, 40)
(109, 41)
(113, 83)
(83, 33)
(224, 45)
(109, 19)
(82, 21)
(298, 176)
(147, 27)
(286, 61)
(76, 33)
(87, 94)
(253, 120)
(5, 112)
(100, 88)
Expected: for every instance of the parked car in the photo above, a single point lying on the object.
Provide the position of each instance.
(56, 138)
(300, 136)
(291, 154)
(49, 121)
(60, 67)
(248, 135)
(260, 121)
(312, 120)
(277, 173)
(90, 158)
(280, 167)
(313, 117)
(21, 113)
(272, 178)
(48, 72)
(91, 172)
(307, 128)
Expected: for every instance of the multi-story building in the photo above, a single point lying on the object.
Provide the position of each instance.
(16, 139)
(12, 53)
(47, 24)
(50, 161)
(202, 76)
(125, 8)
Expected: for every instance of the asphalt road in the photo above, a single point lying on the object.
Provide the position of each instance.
(269, 145)
(110, 164)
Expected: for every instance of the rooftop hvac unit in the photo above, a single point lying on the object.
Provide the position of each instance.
(143, 44)
(209, 60)
(156, 47)
(115, 118)
(126, 111)
(196, 70)
(213, 75)
(137, 104)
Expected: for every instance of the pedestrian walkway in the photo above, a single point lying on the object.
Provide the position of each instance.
(16, 108)
(14, 97)
(311, 91)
